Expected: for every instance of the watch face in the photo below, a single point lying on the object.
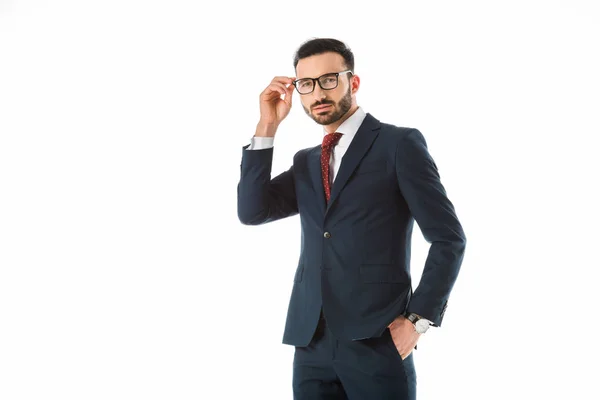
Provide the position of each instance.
(421, 326)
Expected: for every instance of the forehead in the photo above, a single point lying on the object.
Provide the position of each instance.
(319, 64)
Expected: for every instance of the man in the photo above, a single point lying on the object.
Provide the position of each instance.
(353, 317)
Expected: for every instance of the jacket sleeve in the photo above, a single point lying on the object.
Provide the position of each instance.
(420, 184)
(260, 198)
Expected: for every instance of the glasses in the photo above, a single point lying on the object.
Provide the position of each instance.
(326, 82)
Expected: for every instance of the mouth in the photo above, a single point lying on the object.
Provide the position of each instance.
(323, 107)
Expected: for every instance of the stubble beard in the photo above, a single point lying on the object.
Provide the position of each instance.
(339, 110)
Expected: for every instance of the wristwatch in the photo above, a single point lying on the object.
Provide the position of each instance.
(421, 324)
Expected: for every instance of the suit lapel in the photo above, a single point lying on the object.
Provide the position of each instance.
(362, 141)
(314, 163)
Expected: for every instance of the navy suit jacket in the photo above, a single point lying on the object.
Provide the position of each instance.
(354, 259)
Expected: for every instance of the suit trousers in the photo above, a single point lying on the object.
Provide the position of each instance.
(367, 369)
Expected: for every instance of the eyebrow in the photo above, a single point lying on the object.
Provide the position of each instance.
(306, 77)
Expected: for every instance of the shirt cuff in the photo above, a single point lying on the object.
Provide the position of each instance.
(260, 143)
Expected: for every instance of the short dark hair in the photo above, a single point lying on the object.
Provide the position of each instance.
(325, 45)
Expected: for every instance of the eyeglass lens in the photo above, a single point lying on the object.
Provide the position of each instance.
(328, 81)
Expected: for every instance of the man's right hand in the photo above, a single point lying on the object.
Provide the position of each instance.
(273, 109)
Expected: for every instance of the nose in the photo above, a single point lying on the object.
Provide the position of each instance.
(318, 93)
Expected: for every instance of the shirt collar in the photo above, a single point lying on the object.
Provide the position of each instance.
(349, 127)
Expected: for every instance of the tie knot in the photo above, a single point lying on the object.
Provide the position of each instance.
(331, 139)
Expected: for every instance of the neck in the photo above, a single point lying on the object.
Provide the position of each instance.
(333, 127)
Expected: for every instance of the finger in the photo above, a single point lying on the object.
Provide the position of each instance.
(283, 79)
(281, 86)
(401, 352)
(288, 95)
(291, 88)
(273, 90)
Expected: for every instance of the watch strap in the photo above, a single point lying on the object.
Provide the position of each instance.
(412, 317)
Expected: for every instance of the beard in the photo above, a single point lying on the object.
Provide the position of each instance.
(334, 113)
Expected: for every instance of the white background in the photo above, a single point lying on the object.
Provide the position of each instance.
(124, 271)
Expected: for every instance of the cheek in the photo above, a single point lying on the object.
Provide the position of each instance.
(339, 94)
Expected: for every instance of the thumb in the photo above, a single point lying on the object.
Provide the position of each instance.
(288, 95)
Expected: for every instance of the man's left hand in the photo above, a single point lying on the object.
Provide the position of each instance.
(404, 335)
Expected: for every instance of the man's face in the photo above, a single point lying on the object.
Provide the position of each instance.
(338, 100)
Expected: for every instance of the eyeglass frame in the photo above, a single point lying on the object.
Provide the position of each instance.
(337, 81)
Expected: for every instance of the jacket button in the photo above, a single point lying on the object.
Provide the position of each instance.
(327, 235)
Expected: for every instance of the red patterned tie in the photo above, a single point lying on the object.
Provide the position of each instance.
(329, 141)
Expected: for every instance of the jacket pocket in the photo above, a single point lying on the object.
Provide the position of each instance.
(382, 273)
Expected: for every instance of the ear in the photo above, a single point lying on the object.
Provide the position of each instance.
(355, 82)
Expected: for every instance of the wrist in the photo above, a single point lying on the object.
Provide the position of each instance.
(420, 324)
(265, 129)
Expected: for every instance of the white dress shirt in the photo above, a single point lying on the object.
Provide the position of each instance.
(348, 129)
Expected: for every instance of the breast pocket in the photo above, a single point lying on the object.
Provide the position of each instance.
(371, 167)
